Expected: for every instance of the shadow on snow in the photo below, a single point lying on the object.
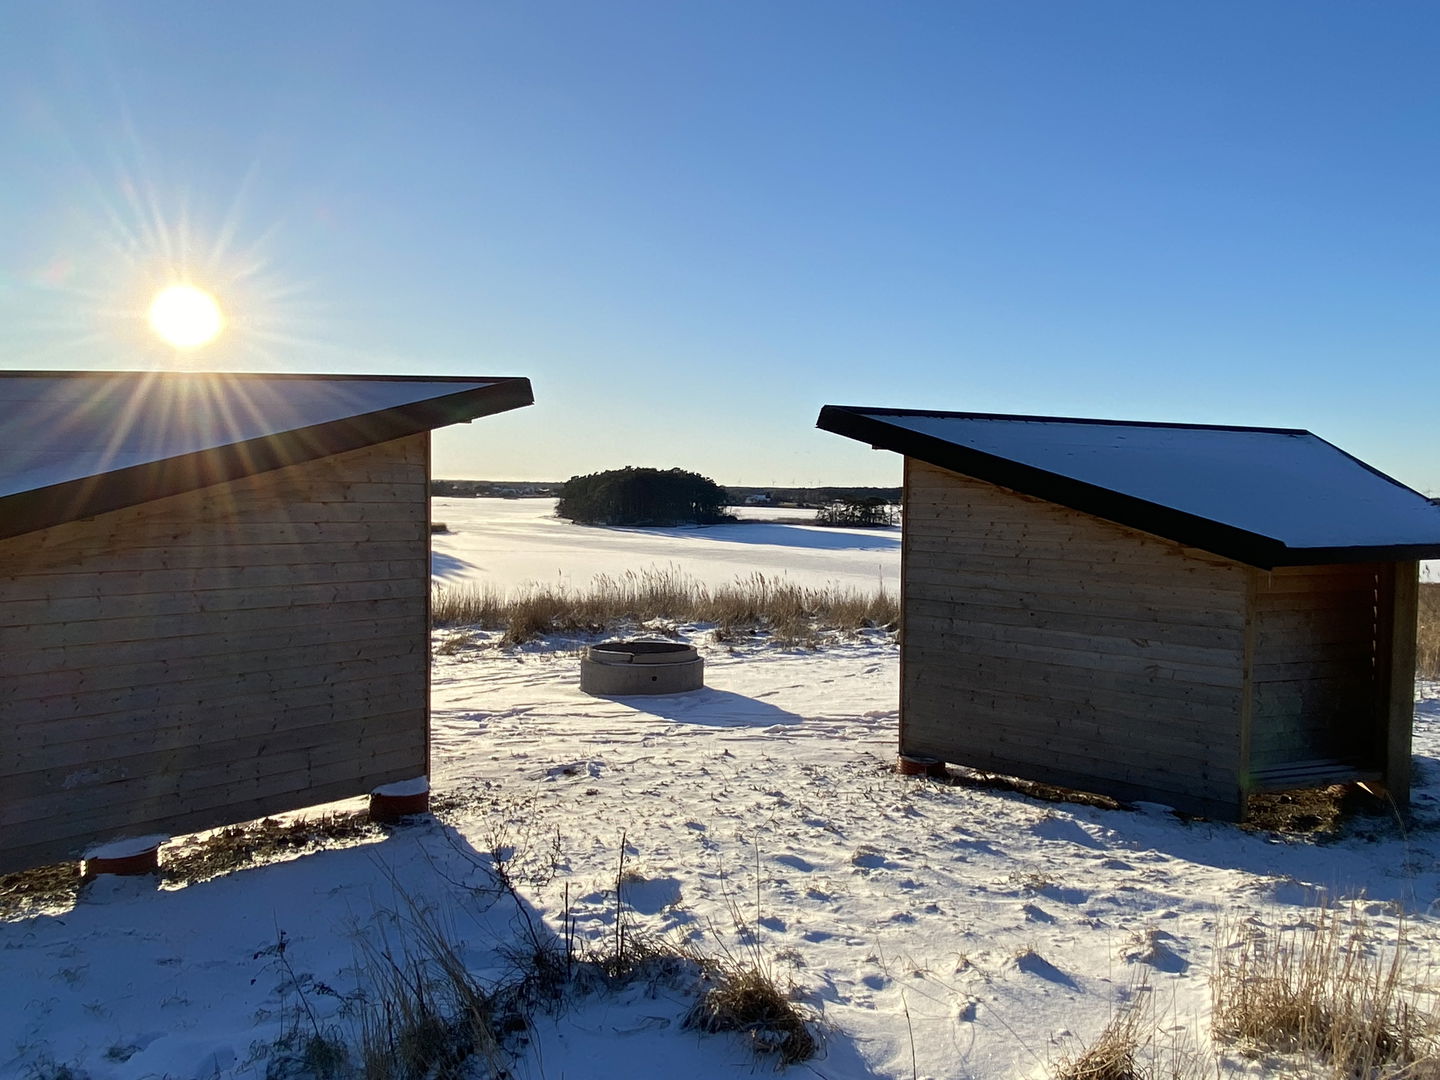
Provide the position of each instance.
(712, 708)
(815, 537)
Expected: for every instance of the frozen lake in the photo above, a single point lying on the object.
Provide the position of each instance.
(513, 541)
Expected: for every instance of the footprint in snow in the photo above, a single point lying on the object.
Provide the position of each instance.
(1064, 830)
(795, 862)
(1063, 894)
(1153, 948)
(869, 859)
(574, 768)
(1032, 963)
(650, 896)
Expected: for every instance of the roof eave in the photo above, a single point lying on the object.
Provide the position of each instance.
(1227, 541)
(1373, 553)
(42, 508)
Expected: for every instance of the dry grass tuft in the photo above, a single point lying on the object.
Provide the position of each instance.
(1427, 653)
(790, 614)
(1114, 1055)
(1329, 990)
(1137, 1044)
(426, 1015)
(747, 998)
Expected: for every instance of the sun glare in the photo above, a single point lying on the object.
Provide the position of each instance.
(186, 317)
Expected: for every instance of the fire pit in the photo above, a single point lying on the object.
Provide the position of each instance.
(618, 668)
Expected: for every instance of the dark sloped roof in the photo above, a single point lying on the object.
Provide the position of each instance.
(78, 443)
(1264, 496)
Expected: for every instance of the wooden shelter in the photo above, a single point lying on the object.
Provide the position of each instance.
(214, 595)
(1176, 613)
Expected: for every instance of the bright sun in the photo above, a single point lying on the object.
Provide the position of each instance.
(186, 317)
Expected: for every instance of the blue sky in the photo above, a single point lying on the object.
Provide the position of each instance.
(692, 224)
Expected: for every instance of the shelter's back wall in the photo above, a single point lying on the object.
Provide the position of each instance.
(1050, 644)
(215, 656)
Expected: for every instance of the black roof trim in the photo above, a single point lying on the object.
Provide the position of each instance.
(947, 414)
(1242, 545)
(41, 508)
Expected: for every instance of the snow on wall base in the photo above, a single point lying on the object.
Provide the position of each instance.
(921, 765)
(130, 857)
(392, 803)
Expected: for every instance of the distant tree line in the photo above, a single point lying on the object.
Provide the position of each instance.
(639, 496)
(865, 513)
(808, 498)
(492, 489)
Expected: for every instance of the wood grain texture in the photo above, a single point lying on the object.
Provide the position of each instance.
(253, 647)
(1054, 645)
(1314, 677)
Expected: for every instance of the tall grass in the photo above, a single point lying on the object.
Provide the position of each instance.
(788, 612)
(1328, 989)
(1427, 653)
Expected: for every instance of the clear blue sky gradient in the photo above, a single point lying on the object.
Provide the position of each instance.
(692, 224)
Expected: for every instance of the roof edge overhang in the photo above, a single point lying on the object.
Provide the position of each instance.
(1228, 541)
(42, 508)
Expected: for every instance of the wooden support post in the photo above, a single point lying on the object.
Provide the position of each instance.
(1395, 657)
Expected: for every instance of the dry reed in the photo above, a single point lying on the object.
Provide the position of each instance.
(426, 1015)
(1114, 1055)
(1329, 990)
(1427, 653)
(1139, 1043)
(792, 614)
(748, 999)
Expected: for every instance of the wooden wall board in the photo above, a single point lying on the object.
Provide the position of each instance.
(1052, 644)
(245, 649)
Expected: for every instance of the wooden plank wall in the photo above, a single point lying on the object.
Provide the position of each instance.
(1049, 644)
(1316, 696)
(212, 657)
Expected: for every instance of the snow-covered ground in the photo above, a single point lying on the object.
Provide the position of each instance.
(514, 541)
(942, 931)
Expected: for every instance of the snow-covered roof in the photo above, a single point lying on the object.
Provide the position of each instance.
(77, 443)
(1265, 496)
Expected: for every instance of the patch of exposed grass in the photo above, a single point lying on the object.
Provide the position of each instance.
(1305, 810)
(972, 778)
(1329, 991)
(790, 614)
(28, 892)
(206, 856)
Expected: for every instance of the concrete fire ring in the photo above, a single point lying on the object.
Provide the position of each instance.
(622, 668)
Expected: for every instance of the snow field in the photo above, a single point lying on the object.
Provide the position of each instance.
(765, 808)
(519, 541)
(941, 931)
